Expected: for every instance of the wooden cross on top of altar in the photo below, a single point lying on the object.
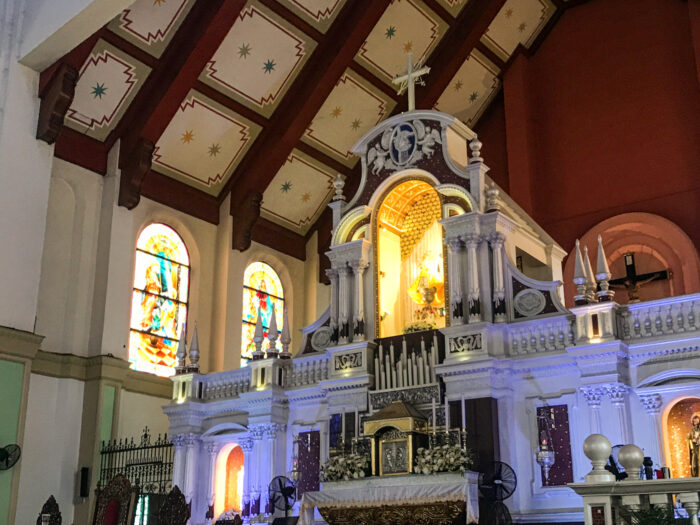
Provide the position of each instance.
(631, 282)
(408, 81)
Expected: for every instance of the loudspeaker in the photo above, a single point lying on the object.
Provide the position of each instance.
(291, 520)
(84, 482)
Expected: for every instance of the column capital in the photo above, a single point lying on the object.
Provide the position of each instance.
(651, 403)
(257, 432)
(497, 239)
(343, 270)
(455, 243)
(191, 440)
(178, 440)
(617, 393)
(212, 448)
(272, 429)
(332, 273)
(246, 444)
(359, 265)
(592, 394)
(472, 239)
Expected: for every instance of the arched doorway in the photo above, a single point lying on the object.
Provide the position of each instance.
(677, 426)
(229, 479)
(409, 255)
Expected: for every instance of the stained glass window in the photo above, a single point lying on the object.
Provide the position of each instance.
(159, 299)
(261, 289)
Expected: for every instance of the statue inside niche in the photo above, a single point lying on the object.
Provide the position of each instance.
(694, 446)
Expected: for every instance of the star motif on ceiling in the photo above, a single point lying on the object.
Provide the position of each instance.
(522, 27)
(458, 85)
(390, 32)
(509, 13)
(158, 2)
(356, 124)
(269, 66)
(336, 111)
(214, 150)
(473, 96)
(408, 47)
(187, 136)
(305, 197)
(98, 90)
(286, 187)
(244, 50)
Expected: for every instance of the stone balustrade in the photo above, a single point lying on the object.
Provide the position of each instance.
(307, 370)
(225, 385)
(670, 316)
(541, 335)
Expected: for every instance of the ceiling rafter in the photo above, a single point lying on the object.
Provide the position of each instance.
(299, 106)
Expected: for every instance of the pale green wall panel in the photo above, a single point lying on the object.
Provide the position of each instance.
(11, 377)
(108, 396)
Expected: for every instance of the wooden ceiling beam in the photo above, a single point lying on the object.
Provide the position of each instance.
(376, 82)
(285, 241)
(180, 196)
(300, 104)
(292, 18)
(228, 102)
(324, 159)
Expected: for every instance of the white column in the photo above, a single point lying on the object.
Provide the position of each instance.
(474, 302)
(258, 484)
(652, 404)
(344, 306)
(179, 461)
(212, 451)
(246, 445)
(455, 273)
(333, 277)
(358, 268)
(618, 395)
(499, 292)
(592, 395)
(192, 446)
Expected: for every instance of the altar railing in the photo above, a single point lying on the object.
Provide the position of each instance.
(225, 385)
(541, 335)
(307, 370)
(669, 316)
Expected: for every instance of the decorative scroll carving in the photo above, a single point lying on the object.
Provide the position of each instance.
(529, 302)
(414, 396)
(55, 101)
(244, 218)
(439, 513)
(135, 163)
(50, 508)
(175, 510)
(321, 339)
(466, 343)
(347, 361)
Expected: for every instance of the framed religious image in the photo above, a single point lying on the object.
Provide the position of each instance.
(394, 457)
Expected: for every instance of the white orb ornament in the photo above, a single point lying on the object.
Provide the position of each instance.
(631, 457)
(597, 448)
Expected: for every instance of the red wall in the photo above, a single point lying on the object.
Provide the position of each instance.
(604, 118)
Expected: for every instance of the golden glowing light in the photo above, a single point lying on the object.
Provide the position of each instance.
(676, 431)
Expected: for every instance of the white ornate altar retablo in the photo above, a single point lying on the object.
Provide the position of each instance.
(397, 491)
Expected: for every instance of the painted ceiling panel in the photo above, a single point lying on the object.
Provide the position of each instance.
(299, 192)
(258, 59)
(406, 26)
(109, 80)
(319, 13)
(351, 110)
(518, 22)
(453, 6)
(151, 24)
(471, 89)
(203, 143)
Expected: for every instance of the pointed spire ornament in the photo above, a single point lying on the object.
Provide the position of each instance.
(579, 277)
(258, 338)
(603, 275)
(286, 336)
(194, 351)
(590, 276)
(272, 333)
(181, 353)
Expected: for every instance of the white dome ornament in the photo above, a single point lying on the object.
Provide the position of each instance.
(631, 457)
(597, 448)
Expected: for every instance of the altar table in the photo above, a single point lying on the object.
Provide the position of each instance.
(413, 498)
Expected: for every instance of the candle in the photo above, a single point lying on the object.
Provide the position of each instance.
(420, 370)
(434, 415)
(447, 414)
(391, 352)
(414, 372)
(377, 373)
(464, 416)
(342, 423)
(388, 372)
(404, 351)
(357, 423)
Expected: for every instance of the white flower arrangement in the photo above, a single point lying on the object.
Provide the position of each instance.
(445, 458)
(419, 326)
(344, 467)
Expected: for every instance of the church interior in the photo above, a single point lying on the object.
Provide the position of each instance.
(349, 261)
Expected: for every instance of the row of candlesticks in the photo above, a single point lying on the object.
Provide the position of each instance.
(411, 369)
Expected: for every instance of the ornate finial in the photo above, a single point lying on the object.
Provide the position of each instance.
(272, 333)
(258, 338)
(492, 203)
(590, 276)
(194, 351)
(602, 274)
(181, 353)
(475, 146)
(339, 184)
(409, 80)
(286, 336)
(579, 277)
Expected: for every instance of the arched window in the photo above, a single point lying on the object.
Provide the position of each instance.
(261, 289)
(159, 299)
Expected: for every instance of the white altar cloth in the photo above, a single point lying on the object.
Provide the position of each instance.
(411, 489)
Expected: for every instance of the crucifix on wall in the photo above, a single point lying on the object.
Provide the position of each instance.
(631, 282)
(409, 80)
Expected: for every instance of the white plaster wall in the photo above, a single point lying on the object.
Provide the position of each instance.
(137, 411)
(49, 464)
(311, 280)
